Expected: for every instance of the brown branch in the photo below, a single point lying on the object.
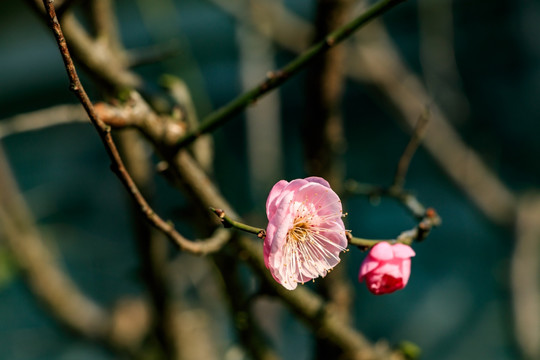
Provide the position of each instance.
(105, 135)
(525, 277)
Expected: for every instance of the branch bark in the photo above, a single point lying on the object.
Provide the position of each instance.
(45, 278)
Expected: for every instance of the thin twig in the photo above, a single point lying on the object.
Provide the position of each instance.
(419, 233)
(105, 135)
(408, 153)
(408, 200)
(276, 78)
(230, 223)
(427, 218)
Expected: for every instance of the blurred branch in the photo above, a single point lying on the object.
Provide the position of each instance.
(438, 59)
(262, 122)
(51, 284)
(405, 198)
(107, 64)
(408, 153)
(250, 334)
(322, 133)
(276, 78)
(202, 150)
(40, 119)
(152, 54)
(104, 23)
(324, 143)
(525, 277)
(315, 313)
(153, 246)
(45, 278)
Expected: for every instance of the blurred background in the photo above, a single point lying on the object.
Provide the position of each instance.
(474, 64)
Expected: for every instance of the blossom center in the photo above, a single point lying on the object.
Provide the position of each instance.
(299, 232)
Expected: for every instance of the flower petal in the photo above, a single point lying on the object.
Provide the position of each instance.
(406, 271)
(382, 251)
(368, 265)
(403, 251)
(271, 205)
(319, 180)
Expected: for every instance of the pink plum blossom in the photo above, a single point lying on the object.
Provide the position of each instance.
(386, 268)
(305, 232)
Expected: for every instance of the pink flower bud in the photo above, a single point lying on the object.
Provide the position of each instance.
(386, 268)
(305, 232)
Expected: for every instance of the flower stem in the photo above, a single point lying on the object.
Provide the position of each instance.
(430, 220)
(276, 78)
(366, 244)
(230, 223)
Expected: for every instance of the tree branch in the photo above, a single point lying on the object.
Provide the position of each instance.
(276, 78)
(105, 135)
(40, 119)
(525, 277)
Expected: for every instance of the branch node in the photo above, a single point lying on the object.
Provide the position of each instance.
(330, 41)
